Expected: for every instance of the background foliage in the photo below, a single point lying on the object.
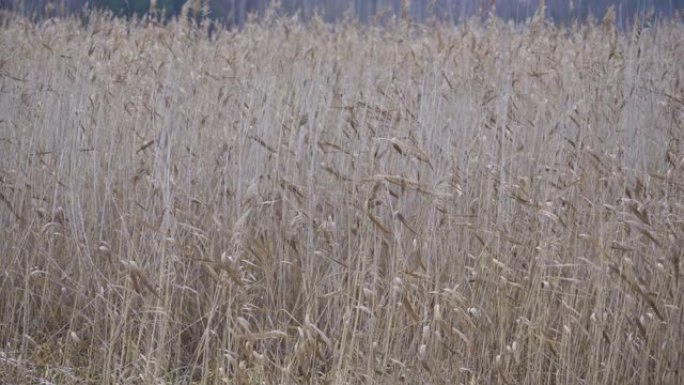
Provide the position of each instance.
(236, 12)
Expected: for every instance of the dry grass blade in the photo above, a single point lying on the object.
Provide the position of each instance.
(409, 309)
(145, 146)
(374, 219)
(637, 289)
(139, 279)
(403, 221)
(10, 207)
(404, 148)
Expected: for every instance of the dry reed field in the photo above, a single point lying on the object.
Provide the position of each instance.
(481, 204)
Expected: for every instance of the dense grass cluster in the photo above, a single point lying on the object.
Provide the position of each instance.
(480, 204)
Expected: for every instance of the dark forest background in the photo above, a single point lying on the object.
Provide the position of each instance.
(236, 12)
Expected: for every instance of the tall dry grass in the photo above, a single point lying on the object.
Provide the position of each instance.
(306, 204)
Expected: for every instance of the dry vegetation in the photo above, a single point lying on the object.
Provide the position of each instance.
(485, 204)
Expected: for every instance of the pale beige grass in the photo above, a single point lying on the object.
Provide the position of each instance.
(288, 204)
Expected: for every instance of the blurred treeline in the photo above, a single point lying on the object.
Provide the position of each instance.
(237, 12)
